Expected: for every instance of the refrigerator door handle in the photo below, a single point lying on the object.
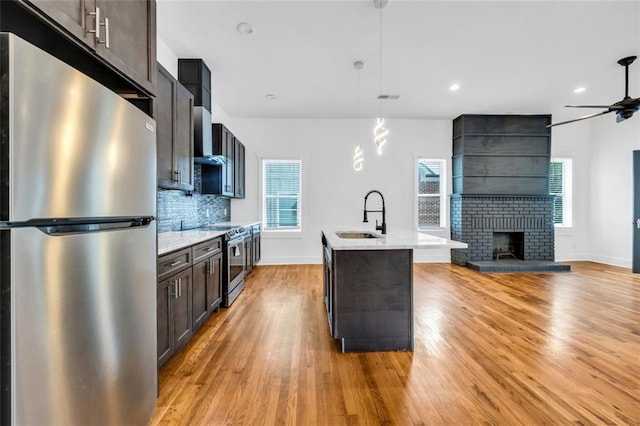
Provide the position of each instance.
(60, 227)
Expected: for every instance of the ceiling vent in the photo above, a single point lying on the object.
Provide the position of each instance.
(388, 97)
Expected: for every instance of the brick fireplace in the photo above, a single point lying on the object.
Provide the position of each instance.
(500, 204)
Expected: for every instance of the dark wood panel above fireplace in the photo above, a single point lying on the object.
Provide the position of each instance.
(501, 154)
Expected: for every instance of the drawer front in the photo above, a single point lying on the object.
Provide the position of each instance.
(206, 249)
(174, 262)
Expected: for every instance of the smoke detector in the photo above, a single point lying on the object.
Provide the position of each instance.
(244, 28)
(380, 4)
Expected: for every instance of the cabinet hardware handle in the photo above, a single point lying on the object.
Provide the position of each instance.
(106, 32)
(211, 267)
(96, 14)
(172, 289)
(210, 249)
(172, 264)
(179, 287)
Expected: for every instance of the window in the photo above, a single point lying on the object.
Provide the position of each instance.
(281, 194)
(560, 176)
(431, 194)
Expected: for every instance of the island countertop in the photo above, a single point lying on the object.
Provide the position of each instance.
(393, 240)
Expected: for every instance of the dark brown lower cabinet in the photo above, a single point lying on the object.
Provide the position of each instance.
(256, 246)
(174, 314)
(207, 283)
(187, 295)
(214, 283)
(248, 250)
(368, 296)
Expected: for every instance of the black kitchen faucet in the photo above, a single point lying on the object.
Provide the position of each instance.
(383, 226)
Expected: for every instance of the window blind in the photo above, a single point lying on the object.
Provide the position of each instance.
(282, 194)
(556, 184)
(560, 186)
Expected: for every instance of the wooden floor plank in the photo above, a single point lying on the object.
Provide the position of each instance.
(501, 349)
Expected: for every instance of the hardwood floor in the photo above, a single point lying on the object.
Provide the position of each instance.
(489, 349)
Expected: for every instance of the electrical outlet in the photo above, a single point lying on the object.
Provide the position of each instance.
(225, 211)
(207, 213)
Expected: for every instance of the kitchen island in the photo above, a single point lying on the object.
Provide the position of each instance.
(368, 286)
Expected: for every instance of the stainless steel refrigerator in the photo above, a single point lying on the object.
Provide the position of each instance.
(77, 247)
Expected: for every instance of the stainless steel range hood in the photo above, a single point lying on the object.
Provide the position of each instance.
(203, 136)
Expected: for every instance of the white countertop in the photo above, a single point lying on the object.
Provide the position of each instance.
(390, 241)
(245, 223)
(176, 240)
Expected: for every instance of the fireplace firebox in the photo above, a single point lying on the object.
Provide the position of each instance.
(508, 245)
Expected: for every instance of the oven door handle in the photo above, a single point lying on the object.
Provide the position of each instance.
(234, 246)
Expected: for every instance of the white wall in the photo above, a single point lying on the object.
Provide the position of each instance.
(611, 202)
(333, 193)
(574, 141)
(166, 57)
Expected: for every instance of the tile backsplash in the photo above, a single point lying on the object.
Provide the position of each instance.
(178, 210)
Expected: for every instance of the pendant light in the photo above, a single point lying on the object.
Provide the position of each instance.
(380, 131)
(358, 153)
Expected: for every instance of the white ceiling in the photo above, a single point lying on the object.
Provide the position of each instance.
(508, 56)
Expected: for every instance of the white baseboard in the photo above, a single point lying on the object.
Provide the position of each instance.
(300, 260)
(572, 257)
(431, 256)
(419, 256)
(438, 256)
(608, 260)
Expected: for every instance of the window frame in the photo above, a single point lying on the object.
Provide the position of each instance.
(263, 197)
(567, 190)
(442, 194)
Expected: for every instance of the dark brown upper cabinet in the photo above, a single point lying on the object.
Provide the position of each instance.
(121, 35)
(173, 112)
(218, 177)
(238, 169)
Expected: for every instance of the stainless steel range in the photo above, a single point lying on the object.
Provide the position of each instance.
(235, 261)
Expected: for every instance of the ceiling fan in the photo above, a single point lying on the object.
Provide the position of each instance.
(624, 109)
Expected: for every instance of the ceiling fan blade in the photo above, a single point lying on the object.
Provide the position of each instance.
(584, 117)
(595, 106)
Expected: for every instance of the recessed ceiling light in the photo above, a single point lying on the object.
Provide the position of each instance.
(244, 28)
(579, 89)
(270, 96)
(454, 87)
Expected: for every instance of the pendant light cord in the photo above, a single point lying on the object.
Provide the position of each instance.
(358, 107)
(380, 65)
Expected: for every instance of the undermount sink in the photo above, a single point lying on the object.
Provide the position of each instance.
(357, 235)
